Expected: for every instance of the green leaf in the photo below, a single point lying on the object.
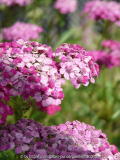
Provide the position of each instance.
(116, 115)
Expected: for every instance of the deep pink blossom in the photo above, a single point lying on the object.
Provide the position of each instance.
(22, 30)
(65, 6)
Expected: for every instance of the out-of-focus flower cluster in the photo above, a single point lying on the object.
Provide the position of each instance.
(77, 64)
(103, 10)
(29, 69)
(72, 138)
(111, 44)
(13, 2)
(110, 57)
(21, 30)
(65, 6)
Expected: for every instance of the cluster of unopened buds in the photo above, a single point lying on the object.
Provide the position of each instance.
(21, 30)
(13, 2)
(110, 56)
(103, 10)
(65, 6)
(71, 139)
(29, 69)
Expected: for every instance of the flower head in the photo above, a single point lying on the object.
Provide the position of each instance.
(103, 10)
(77, 64)
(22, 30)
(28, 69)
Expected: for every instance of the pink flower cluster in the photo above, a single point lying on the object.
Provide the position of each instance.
(103, 10)
(29, 69)
(13, 2)
(66, 6)
(22, 30)
(77, 64)
(110, 57)
(69, 139)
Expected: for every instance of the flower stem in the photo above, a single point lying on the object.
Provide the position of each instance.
(106, 34)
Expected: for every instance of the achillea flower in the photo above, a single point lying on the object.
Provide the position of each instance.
(110, 56)
(66, 6)
(103, 10)
(4, 111)
(72, 138)
(29, 69)
(13, 2)
(22, 30)
(77, 64)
